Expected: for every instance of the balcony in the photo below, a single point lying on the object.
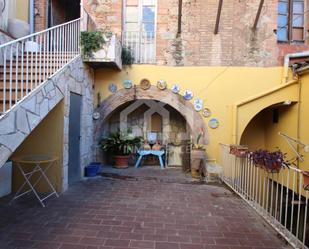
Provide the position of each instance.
(143, 46)
(108, 56)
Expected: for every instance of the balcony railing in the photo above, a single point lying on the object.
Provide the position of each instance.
(142, 45)
(27, 62)
(278, 197)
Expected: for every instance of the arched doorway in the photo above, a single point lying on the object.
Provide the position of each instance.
(193, 118)
(263, 129)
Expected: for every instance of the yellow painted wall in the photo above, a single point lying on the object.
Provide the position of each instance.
(254, 135)
(304, 118)
(22, 10)
(46, 139)
(219, 87)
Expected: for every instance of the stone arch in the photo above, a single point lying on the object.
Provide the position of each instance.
(185, 108)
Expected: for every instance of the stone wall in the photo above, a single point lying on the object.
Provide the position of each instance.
(136, 122)
(106, 13)
(236, 43)
(18, 123)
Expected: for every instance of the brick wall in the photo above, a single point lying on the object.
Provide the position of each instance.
(236, 43)
(106, 13)
(40, 15)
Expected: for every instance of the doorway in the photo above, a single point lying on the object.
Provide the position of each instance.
(74, 138)
(61, 11)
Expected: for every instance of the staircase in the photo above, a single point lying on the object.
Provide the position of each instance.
(28, 62)
(29, 88)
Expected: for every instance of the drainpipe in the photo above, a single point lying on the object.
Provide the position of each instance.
(287, 58)
(31, 16)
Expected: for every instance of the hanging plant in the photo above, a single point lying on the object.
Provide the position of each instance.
(127, 56)
(92, 41)
(270, 161)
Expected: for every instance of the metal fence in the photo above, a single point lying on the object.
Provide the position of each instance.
(27, 62)
(278, 197)
(142, 45)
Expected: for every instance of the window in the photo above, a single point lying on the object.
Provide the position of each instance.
(140, 15)
(290, 21)
(140, 27)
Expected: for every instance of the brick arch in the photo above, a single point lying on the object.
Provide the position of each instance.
(185, 108)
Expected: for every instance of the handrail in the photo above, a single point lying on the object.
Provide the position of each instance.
(142, 46)
(29, 61)
(280, 197)
(38, 33)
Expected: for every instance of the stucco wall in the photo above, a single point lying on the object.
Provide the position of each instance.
(218, 87)
(46, 139)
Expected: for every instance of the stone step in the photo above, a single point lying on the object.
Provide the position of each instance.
(34, 76)
(20, 85)
(12, 93)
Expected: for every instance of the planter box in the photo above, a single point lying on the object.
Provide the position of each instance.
(239, 151)
(108, 56)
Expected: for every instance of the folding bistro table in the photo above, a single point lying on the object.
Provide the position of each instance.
(30, 166)
(158, 153)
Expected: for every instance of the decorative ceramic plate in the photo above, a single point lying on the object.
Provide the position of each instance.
(112, 87)
(127, 84)
(96, 115)
(145, 84)
(188, 94)
(198, 104)
(213, 123)
(161, 84)
(206, 112)
(175, 88)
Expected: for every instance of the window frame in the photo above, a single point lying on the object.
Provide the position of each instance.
(140, 22)
(290, 21)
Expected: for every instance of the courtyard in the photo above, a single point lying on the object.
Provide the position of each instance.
(137, 208)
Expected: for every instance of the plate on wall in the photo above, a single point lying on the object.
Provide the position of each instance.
(188, 95)
(198, 104)
(175, 88)
(206, 112)
(145, 84)
(161, 84)
(127, 84)
(112, 87)
(213, 123)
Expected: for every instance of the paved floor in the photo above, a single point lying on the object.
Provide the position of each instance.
(146, 208)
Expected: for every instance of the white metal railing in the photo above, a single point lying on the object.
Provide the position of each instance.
(278, 197)
(142, 45)
(27, 62)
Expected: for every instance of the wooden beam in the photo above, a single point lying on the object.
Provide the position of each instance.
(179, 17)
(258, 14)
(218, 17)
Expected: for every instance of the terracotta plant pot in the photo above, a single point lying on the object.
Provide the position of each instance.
(121, 162)
(306, 180)
(239, 151)
(197, 157)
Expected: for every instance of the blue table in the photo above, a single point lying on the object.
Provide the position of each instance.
(158, 153)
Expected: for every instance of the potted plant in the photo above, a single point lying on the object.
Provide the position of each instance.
(238, 150)
(93, 41)
(198, 156)
(270, 161)
(126, 56)
(121, 145)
